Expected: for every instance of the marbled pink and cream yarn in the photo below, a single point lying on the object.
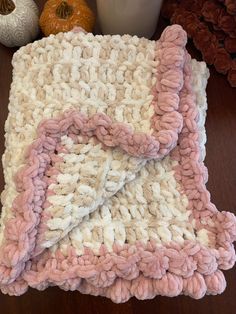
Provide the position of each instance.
(96, 207)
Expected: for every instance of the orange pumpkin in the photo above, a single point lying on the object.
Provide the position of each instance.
(63, 15)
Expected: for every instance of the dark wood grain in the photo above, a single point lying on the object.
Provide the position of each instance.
(220, 160)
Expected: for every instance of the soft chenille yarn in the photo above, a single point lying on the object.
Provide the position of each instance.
(105, 182)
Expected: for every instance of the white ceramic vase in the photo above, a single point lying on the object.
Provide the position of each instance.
(18, 22)
(134, 17)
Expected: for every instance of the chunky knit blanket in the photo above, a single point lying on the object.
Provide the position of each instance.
(105, 182)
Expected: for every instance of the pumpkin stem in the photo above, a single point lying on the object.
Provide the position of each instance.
(64, 11)
(6, 7)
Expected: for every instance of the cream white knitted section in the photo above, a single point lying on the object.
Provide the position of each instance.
(199, 87)
(88, 176)
(110, 74)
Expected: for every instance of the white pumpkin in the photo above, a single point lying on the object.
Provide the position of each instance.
(18, 22)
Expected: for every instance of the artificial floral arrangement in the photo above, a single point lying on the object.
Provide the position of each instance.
(212, 26)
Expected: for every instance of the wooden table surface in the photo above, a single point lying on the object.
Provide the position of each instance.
(220, 160)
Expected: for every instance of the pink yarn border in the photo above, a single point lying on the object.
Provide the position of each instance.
(167, 270)
(129, 270)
